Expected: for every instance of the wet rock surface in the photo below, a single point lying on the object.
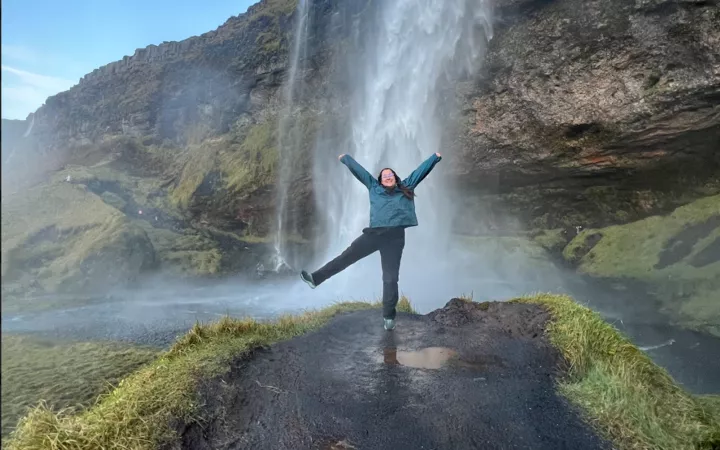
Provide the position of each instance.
(466, 376)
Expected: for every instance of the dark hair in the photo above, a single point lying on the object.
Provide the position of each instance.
(407, 192)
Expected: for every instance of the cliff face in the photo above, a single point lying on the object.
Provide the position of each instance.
(592, 113)
(162, 91)
(585, 113)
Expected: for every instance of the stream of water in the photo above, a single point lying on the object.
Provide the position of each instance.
(290, 136)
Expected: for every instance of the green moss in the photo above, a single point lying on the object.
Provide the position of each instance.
(198, 262)
(253, 162)
(652, 80)
(508, 245)
(200, 160)
(113, 200)
(635, 250)
(577, 248)
(61, 374)
(637, 246)
(279, 7)
(243, 161)
(246, 161)
(143, 190)
(268, 42)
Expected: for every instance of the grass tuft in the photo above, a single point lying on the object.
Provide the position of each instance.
(629, 399)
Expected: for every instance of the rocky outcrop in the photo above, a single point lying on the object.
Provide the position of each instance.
(593, 113)
(164, 91)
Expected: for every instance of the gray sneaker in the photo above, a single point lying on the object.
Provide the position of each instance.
(389, 324)
(306, 277)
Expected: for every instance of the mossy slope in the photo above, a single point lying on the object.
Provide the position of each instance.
(678, 255)
(190, 210)
(56, 236)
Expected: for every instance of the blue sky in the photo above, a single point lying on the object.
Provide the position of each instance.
(48, 45)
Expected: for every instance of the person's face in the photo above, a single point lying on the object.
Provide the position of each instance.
(388, 178)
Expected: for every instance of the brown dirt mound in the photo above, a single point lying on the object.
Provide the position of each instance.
(516, 319)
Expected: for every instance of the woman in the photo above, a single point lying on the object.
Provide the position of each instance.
(392, 209)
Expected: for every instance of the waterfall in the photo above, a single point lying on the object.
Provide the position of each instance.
(290, 133)
(414, 48)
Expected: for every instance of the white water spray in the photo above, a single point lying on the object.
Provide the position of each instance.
(415, 48)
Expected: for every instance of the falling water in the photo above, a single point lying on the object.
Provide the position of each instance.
(290, 138)
(415, 48)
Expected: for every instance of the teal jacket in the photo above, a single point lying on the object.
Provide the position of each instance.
(390, 208)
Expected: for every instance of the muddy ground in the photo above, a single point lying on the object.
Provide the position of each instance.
(462, 377)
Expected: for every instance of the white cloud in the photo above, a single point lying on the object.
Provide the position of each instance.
(24, 92)
(19, 53)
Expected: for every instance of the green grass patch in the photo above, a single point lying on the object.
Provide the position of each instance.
(200, 160)
(140, 412)
(626, 396)
(61, 374)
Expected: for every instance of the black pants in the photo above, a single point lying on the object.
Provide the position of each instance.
(390, 242)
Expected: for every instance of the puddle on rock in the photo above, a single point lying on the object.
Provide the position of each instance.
(426, 358)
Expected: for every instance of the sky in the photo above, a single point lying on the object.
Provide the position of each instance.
(48, 45)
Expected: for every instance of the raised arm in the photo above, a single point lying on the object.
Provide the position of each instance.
(358, 170)
(422, 171)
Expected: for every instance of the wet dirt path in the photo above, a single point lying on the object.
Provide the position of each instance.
(457, 378)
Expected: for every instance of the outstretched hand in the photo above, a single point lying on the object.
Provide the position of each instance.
(438, 155)
(341, 156)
